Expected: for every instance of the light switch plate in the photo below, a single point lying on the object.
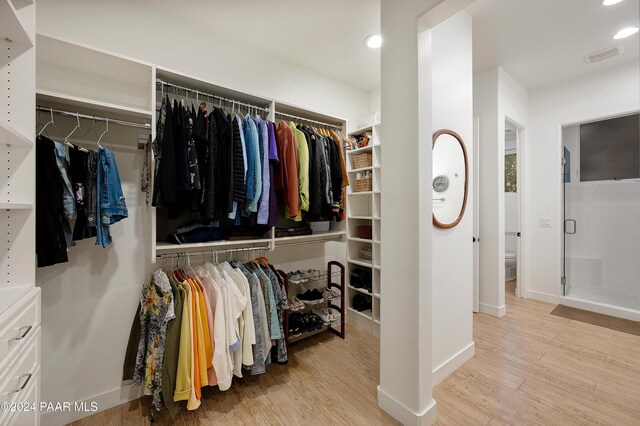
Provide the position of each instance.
(545, 222)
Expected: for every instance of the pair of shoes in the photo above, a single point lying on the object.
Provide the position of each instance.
(313, 275)
(303, 322)
(361, 303)
(295, 304)
(329, 315)
(311, 297)
(330, 294)
(297, 277)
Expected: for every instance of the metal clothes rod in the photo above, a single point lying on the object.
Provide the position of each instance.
(208, 252)
(303, 243)
(95, 117)
(334, 126)
(511, 233)
(197, 92)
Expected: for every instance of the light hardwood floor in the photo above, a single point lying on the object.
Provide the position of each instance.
(530, 368)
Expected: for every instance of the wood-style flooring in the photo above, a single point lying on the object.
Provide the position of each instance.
(530, 368)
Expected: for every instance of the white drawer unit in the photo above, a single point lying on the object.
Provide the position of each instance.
(20, 360)
(17, 324)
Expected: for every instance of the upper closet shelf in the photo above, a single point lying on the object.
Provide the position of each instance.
(12, 137)
(90, 106)
(16, 206)
(10, 295)
(363, 130)
(11, 26)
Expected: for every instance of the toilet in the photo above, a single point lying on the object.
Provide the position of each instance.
(510, 262)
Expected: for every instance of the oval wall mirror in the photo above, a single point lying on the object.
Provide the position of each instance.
(451, 178)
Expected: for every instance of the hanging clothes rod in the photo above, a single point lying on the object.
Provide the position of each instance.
(320, 123)
(94, 117)
(304, 243)
(208, 252)
(209, 95)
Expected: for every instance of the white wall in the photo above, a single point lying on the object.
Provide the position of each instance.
(497, 96)
(132, 29)
(452, 80)
(602, 255)
(593, 96)
(88, 304)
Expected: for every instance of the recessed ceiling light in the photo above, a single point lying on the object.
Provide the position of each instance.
(625, 32)
(374, 41)
(610, 2)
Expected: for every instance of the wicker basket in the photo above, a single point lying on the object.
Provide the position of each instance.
(363, 185)
(365, 232)
(361, 161)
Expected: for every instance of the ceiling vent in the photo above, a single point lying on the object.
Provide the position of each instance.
(604, 54)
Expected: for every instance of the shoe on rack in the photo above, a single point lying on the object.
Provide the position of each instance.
(304, 276)
(317, 296)
(324, 315)
(335, 315)
(294, 277)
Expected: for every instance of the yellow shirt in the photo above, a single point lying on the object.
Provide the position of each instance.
(183, 374)
(201, 356)
(303, 169)
(208, 349)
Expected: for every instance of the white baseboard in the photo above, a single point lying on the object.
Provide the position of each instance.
(543, 297)
(496, 311)
(104, 401)
(452, 364)
(601, 308)
(405, 415)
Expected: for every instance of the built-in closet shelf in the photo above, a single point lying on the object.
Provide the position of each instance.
(376, 321)
(365, 314)
(361, 217)
(92, 106)
(367, 148)
(361, 193)
(11, 25)
(361, 262)
(360, 240)
(16, 206)
(10, 136)
(19, 4)
(363, 291)
(363, 169)
(376, 242)
(363, 129)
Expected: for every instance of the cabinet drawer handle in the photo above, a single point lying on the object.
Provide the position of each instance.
(24, 385)
(28, 329)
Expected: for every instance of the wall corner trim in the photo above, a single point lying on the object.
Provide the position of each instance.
(404, 414)
(452, 364)
(496, 311)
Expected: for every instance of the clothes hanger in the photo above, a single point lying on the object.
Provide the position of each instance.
(50, 122)
(92, 129)
(66, 140)
(103, 133)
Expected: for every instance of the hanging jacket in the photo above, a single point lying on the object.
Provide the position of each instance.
(51, 246)
(209, 194)
(303, 170)
(289, 160)
(224, 172)
(172, 351)
(263, 140)
(273, 164)
(111, 203)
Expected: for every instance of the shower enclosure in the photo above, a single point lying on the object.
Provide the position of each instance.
(601, 174)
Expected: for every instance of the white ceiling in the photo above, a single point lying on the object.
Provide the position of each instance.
(539, 42)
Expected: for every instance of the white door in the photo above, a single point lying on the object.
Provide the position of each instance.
(476, 214)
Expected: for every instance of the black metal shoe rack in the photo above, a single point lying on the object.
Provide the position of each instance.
(334, 269)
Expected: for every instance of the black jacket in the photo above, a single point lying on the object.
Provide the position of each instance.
(209, 177)
(224, 172)
(51, 246)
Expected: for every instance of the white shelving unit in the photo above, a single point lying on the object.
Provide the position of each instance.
(363, 209)
(19, 297)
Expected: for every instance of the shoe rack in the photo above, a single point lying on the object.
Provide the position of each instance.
(335, 272)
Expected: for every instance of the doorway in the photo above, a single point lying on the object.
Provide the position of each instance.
(512, 205)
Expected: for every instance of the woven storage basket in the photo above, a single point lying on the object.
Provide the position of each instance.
(365, 232)
(361, 161)
(363, 185)
(366, 253)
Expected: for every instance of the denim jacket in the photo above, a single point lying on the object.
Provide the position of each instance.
(111, 204)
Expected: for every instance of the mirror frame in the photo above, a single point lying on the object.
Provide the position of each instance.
(436, 135)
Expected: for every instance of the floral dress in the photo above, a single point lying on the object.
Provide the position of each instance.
(156, 310)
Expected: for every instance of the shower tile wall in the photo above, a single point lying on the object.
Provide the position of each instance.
(602, 257)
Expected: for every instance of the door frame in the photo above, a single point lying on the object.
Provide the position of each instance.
(520, 165)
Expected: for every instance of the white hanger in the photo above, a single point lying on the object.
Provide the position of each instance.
(103, 133)
(66, 140)
(50, 122)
